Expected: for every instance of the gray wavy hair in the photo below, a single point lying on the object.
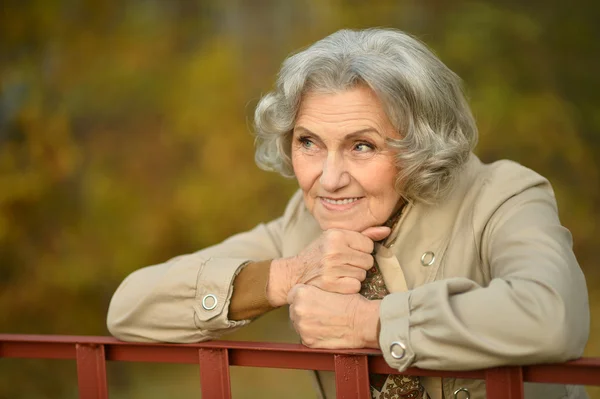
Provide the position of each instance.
(422, 97)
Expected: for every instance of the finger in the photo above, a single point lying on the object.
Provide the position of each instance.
(358, 241)
(350, 271)
(363, 260)
(357, 273)
(346, 270)
(377, 233)
(348, 285)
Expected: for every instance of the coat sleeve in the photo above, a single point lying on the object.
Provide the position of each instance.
(186, 299)
(535, 309)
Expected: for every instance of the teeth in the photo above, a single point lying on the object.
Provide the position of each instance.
(339, 202)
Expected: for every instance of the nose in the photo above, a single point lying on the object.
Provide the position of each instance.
(334, 175)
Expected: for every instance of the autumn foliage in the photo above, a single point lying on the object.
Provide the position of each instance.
(125, 139)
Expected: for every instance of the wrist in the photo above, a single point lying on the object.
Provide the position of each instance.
(370, 324)
(279, 283)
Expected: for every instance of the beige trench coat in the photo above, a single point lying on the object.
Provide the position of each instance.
(485, 278)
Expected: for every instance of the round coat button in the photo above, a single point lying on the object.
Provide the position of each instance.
(209, 302)
(427, 258)
(462, 393)
(397, 350)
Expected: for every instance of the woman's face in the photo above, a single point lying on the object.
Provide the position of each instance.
(341, 160)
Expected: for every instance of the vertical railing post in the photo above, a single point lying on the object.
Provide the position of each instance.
(352, 377)
(504, 383)
(214, 373)
(91, 371)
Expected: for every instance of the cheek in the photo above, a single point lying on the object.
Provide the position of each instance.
(305, 169)
(382, 187)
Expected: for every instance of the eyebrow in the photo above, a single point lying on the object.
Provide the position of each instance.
(348, 136)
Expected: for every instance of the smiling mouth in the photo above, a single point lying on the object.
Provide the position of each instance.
(341, 201)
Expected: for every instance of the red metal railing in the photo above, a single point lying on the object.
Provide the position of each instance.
(351, 367)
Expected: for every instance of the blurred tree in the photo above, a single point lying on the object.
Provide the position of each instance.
(124, 138)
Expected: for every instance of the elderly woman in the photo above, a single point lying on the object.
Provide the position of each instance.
(399, 238)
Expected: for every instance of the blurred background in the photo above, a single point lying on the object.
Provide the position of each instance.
(125, 140)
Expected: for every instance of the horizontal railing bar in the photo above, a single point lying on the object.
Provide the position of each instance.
(67, 339)
(37, 350)
(237, 357)
(249, 354)
(109, 341)
(577, 373)
(584, 371)
(282, 360)
(151, 354)
(101, 340)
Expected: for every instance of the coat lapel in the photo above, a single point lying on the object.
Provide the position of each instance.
(423, 232)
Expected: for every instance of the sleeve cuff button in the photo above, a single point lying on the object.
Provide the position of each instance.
(209, 302)
(397, 350)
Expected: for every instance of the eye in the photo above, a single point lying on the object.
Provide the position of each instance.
(363, 147)
(306, 142)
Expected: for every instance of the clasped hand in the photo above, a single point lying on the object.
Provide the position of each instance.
(322, 283)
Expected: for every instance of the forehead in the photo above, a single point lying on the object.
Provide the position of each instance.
(348, 108)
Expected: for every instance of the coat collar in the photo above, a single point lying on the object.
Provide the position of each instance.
(421, 236)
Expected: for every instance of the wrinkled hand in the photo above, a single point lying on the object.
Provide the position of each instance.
(338, 260)
(330, 320)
